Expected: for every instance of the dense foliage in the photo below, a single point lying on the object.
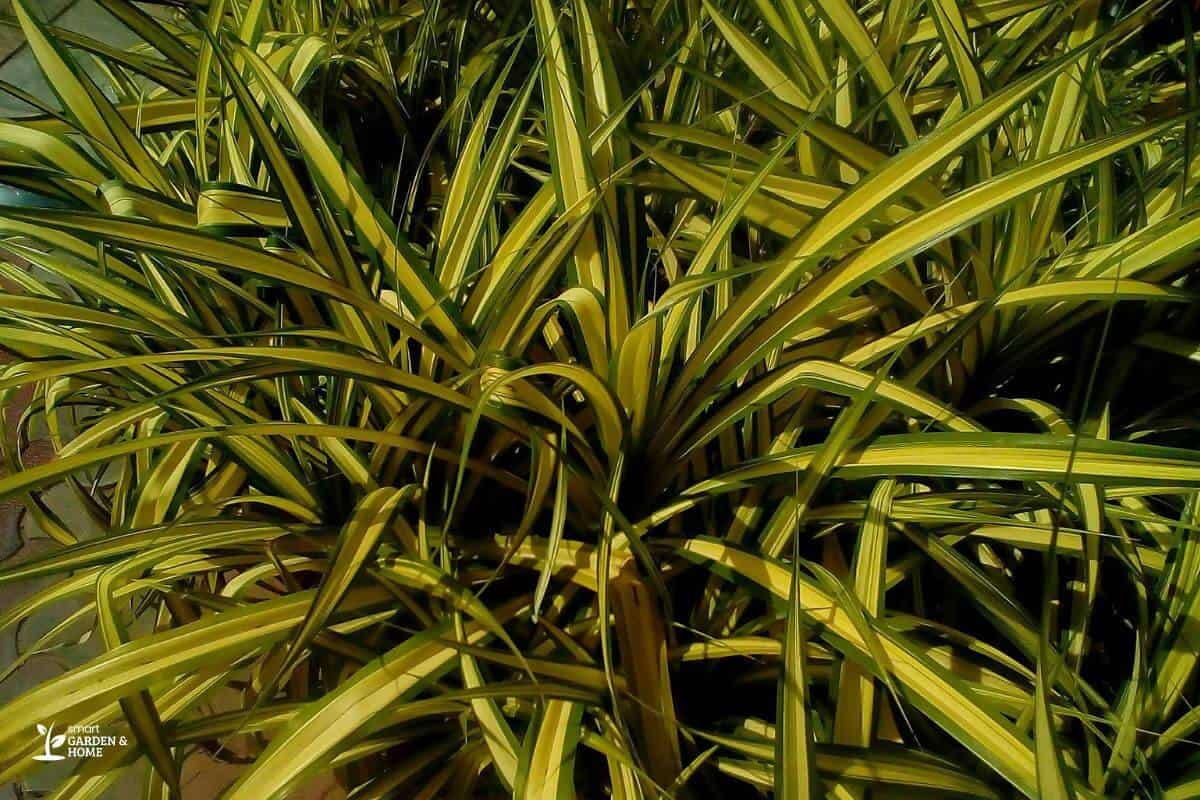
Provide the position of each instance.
(689, 398)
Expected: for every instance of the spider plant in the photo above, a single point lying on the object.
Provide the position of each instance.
(697, 398)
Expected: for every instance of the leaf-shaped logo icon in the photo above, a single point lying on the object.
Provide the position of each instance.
(49, 742)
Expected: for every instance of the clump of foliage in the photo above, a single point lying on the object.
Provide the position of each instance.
(693, 398)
